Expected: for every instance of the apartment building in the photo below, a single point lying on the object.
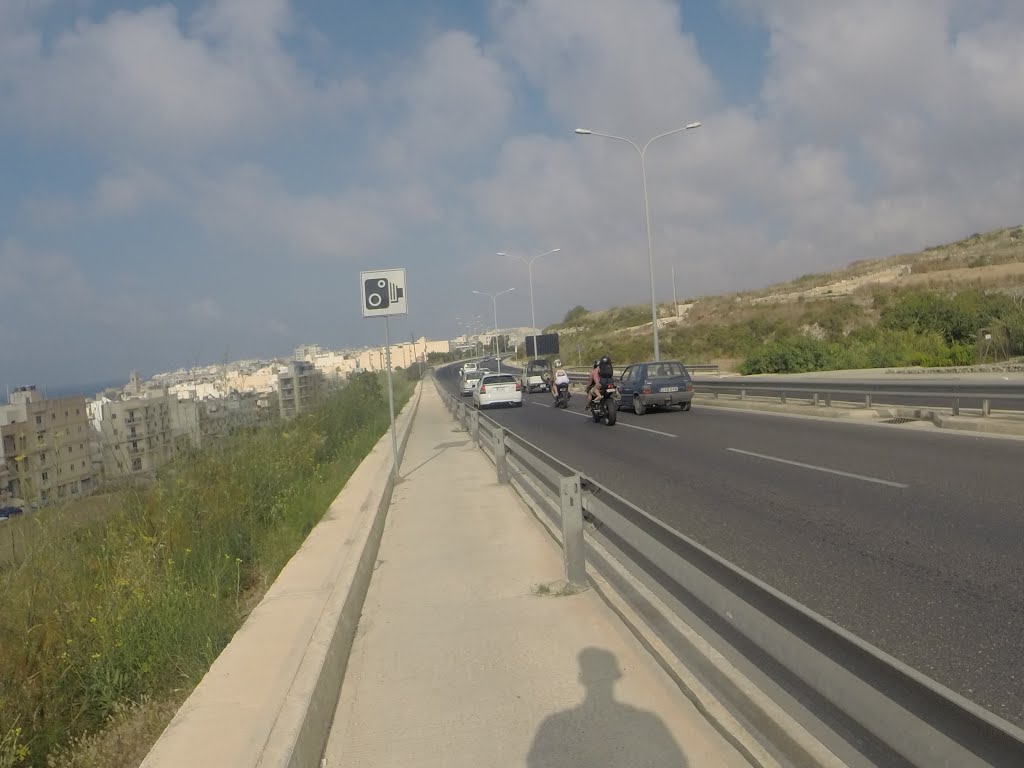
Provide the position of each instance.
(299, 389)
(45, 447)
(402, 355)
(136, 434)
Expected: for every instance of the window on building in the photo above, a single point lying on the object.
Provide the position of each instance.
(66, 414)
(70, 449)
(74, 487)
(46, 476)
(53, 416)
(62, 490)
(136, 465)
(39, 419)
(42, 456)
(40, 438)
(78, 411)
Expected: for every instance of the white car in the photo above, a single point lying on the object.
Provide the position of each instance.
(469, 382)
(498, 389)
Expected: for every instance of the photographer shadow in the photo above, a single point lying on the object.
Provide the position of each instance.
(602, 732)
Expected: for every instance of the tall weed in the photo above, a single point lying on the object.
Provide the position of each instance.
(138, 605)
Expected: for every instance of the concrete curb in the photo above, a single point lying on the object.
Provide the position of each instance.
(639, 609)
(269, 698)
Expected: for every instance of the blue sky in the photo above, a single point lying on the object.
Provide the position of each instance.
(188, 182)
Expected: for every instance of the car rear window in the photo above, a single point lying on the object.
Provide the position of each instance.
(502, 378)
(665, 370)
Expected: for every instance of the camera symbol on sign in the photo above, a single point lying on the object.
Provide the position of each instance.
(380, 293)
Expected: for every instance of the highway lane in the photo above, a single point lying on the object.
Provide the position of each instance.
(916, 546)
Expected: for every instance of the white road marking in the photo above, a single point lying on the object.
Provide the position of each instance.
(619, 423)
(865, 478)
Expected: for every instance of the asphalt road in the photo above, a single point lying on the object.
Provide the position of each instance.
(910, 538)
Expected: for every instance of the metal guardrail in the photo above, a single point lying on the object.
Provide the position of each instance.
(817, 393)
(868, 704)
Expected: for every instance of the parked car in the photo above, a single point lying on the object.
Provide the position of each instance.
(498, 389)
(644, 386)
(469, 382)
(537, 376)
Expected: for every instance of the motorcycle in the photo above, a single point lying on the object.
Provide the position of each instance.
(606, 407)
(562, 398)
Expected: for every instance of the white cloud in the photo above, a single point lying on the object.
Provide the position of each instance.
(450, 100)
(205, 310)
(141, 80)
(37, 281)
(128, 192)
(627, 68)
(252, 209)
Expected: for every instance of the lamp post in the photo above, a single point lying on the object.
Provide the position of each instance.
(494, 301)
(642, 151)
(529, 267)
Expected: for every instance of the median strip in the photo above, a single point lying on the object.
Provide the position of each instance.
(839, 472)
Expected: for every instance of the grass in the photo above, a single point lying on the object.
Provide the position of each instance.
(104, 625)
(19, 534)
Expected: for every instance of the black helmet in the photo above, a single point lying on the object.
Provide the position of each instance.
(606, 359)
(596, 363)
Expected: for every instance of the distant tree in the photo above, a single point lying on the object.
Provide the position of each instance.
(575, 314)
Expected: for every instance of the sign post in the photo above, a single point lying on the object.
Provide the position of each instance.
(383, 295)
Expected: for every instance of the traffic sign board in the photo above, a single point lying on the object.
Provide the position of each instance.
(383, 292)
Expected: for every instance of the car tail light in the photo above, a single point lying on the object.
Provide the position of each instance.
(519, 387)
(689, 387)
(483, 388)
(646, 390)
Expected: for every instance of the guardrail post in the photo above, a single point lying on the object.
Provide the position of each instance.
(867, 400)
(743, 394)
(986, 407)
(828, 400)
(956, 406)
(815, 399)
(501, 456)
(782, 396)
(475, 422)
(572, 531)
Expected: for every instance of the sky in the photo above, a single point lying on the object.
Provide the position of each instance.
(190, 182)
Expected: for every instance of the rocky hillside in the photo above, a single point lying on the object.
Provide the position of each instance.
(928, 308)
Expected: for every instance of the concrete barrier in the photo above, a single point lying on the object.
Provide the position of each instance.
(269, 698)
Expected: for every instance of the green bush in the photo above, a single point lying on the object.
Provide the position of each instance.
(139, 604)
(575, 314)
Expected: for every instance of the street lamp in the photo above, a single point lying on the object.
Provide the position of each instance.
(529, 267)
(494, 301)
(647, 210)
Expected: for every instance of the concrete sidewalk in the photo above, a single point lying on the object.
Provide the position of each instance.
(459, 661)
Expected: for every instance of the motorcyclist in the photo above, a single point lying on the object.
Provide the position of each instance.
(600, 376)
(561, 378)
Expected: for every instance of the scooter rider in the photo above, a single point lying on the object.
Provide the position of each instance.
(602, 374)
(561, 378)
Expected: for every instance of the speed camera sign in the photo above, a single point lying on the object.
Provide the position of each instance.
(383, 292)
